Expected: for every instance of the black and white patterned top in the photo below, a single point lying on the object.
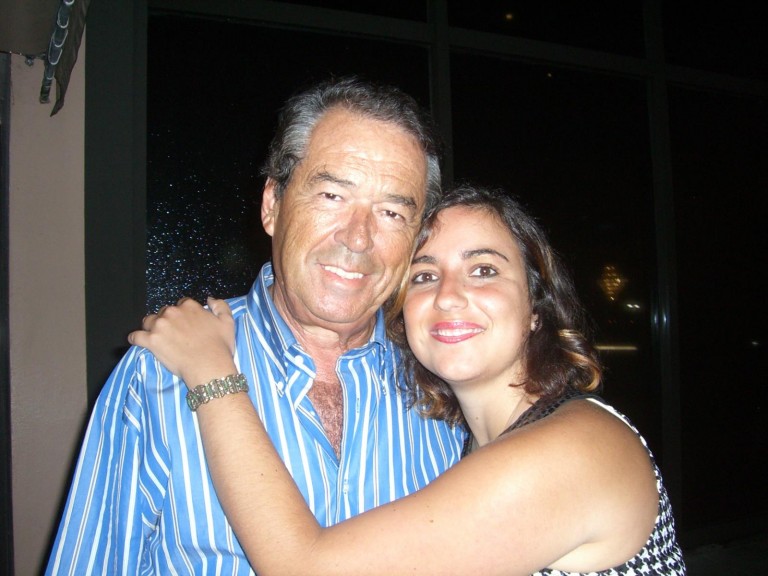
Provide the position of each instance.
(661, 554)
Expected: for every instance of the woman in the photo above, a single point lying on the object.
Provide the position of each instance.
(555, 481)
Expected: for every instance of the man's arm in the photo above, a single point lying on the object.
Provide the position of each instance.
(101, 529)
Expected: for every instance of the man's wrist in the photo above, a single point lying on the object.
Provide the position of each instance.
(216, 388)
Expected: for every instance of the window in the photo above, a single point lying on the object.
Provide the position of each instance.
(728, 40)
(720, 162)
(556, 105)
(597, 25)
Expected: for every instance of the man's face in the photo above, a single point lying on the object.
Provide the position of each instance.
(342, 232)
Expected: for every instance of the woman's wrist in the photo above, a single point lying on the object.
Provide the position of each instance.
(215, 389)
(202, 374)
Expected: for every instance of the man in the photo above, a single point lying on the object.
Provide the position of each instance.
(349, 174)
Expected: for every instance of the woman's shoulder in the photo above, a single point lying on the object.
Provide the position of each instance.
(582, 427)
(590, 446)
(597, 470)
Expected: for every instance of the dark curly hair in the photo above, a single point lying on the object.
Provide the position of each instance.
(558, 353)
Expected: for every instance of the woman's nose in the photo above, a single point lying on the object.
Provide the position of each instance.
(451, 294)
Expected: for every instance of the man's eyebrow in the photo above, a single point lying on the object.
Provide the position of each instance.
(325, 176)
(407, 201)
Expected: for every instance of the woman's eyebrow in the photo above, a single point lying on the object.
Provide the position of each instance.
(467, 254)
(424, 259)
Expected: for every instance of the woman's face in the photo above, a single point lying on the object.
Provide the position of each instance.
(467, 311)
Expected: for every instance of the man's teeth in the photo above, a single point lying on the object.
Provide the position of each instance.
(343, 273)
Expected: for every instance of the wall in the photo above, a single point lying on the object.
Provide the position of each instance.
(47, 303)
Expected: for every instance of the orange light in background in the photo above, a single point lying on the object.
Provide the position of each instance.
(611, 282)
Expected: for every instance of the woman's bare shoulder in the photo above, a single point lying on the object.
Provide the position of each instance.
(587, 442)
(604, 471)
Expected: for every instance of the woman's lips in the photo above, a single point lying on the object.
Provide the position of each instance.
(453, 332)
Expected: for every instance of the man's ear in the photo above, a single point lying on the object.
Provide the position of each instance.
(269, 206)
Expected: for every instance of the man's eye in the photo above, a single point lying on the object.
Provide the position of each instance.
(394, 215)
(330, 196)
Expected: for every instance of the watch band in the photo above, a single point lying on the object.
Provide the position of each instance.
(216, 388)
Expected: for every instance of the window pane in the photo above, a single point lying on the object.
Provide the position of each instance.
(731, 39)
(607, 26)
(407, 9)
(720, 158)
(211, 114)
(574, 147)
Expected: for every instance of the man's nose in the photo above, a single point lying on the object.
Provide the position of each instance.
(359, 231)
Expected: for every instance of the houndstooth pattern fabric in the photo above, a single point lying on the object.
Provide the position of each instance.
(661, 555)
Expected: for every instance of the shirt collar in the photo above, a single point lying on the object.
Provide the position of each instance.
(283, 339)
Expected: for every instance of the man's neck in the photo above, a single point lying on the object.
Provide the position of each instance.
(325, 346)
(324, 342)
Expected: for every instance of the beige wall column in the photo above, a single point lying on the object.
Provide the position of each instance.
(47, 303)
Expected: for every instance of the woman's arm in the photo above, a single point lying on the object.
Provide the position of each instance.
(544, 496)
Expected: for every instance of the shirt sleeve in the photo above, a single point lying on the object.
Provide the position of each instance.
(111, 508)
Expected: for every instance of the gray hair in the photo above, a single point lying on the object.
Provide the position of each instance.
(303, 111)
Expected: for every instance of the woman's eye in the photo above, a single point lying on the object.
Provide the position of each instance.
(422, 278)
(484, 271)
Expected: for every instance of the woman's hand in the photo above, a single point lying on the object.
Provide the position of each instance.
(194, 343)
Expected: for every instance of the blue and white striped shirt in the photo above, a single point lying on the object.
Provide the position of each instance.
(141, 500)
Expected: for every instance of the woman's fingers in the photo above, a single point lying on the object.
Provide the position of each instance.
(148, 321)
(190, 340)
(219, 307)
